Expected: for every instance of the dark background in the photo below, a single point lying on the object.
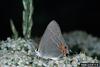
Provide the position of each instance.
(70, 14)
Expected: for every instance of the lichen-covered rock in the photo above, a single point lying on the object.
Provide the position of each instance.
(21, 53)
(84, 41)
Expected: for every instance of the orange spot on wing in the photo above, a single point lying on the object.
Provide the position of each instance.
(63, 49)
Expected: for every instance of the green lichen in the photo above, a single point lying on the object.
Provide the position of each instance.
(15, 33)
(27, 18)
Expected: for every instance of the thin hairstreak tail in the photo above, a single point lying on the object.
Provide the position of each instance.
(52, 44)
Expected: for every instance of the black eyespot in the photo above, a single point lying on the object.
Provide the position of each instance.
(65, 47)
(67, 54)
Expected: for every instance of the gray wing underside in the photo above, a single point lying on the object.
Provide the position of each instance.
(51, 39)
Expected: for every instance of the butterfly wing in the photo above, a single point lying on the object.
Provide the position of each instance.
(50, 41)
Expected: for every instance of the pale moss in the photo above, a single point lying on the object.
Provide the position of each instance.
(84, 41)
(26, 56)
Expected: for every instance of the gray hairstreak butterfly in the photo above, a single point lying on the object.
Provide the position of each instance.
(52, 44)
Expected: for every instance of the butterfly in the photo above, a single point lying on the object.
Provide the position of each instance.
(52, 44)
